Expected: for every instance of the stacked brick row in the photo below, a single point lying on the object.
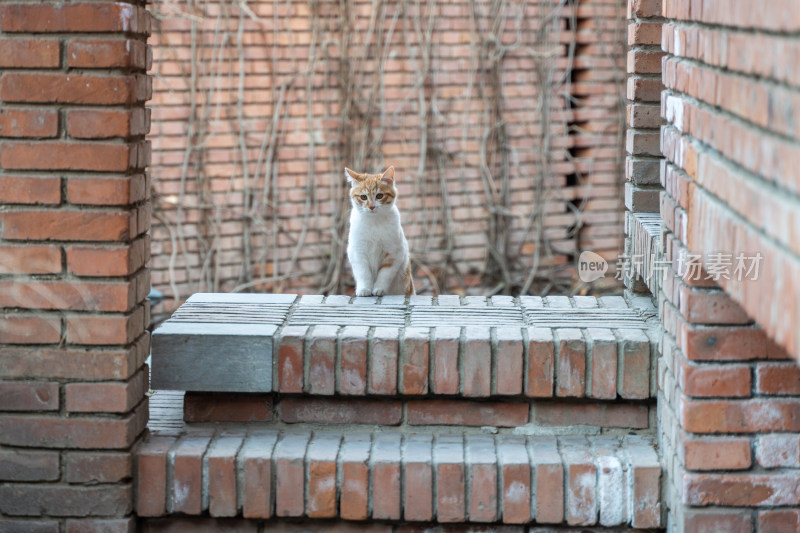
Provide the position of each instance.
(73, 248)
(472, 376)
(385, 476)
(728, 400)
(431, 424)
(204, 183)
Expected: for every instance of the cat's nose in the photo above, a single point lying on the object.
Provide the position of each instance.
(372, 208)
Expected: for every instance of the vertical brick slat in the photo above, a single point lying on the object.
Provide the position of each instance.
(254, 461)
(481, 459)
(418, 476)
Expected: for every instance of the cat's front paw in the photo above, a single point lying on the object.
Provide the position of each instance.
(378, 292)
(363, 292)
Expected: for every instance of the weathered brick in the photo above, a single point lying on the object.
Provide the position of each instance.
(353, 360)
(383, 361)
(645, 469)
(321, 457)
(448, 463)
(596, 414)
(95, 467)
(414, 361)
(226, 407)
(352, 463)
(549, 476)
(726, 453)
(508, 360)
(73, 17)
(778, 379)
(28, 123)
(633, 378)
(73, 89)
(55, 432)
(384, 463)
(100, 296)
(59, 155)
(65, 500)
(255, 461)
(187, 474)
(740, 416)
(108, 329)
(322, 356)
(29, 328)
(30, 190)
(644, 62)
(221, 465)
(106, 123)
(466, 413)
(782, 521)
(740, 490)
(96, 364)
(445, 360)
(722, 343)
(290, 474)
(105, 261)
(335, 411)
(602, 360)
(28, 396)
(644, 33)
(540, 358)
(477, 365)
(290, 358)
(418, 475)
(644, 8)
(102, 525)
(778, 450)
(581, 486)
(713, 520)
(481, 464)
(107, 53)
(515, 472)
(98, 397)
(30, 53)
(714, 380)
(123, 190)
(28, 465)
(570, 363)
(67, 225)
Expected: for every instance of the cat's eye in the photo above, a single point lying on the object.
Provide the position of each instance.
(379, 196)
(363, 196)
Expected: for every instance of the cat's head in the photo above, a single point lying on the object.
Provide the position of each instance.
(371, 193)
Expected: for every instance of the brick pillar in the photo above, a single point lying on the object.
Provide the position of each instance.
(729, 412)
(73, 252)
(643, 157)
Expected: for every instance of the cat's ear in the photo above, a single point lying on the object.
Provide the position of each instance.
(388, 176)
(352, 176)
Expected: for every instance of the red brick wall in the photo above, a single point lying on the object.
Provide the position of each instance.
(73, 248)
(199, 149)
(728, 400)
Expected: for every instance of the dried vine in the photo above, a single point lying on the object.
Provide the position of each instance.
(351, 65)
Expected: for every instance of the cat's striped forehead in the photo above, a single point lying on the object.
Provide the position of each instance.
(371, 185)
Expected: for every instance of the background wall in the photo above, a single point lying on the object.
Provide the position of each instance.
(504, 125)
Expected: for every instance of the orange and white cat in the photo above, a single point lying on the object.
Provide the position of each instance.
(376, 246)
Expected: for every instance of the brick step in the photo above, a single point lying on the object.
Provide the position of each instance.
(469, 347)
(390, 476)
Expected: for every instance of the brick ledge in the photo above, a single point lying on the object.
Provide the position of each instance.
(455, 478)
